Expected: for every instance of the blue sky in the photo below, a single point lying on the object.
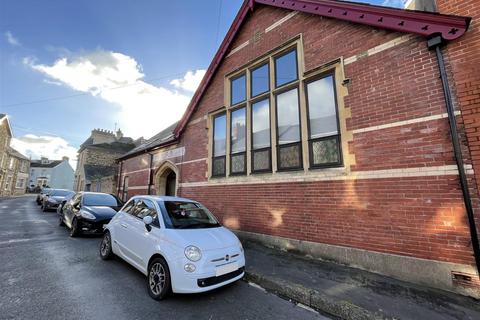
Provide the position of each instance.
(67, 67)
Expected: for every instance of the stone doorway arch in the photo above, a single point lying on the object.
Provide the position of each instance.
(166, 179)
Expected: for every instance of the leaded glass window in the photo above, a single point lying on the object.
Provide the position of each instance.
(261, 152)
(288, 131)
(324, 140)
(219, 144)
(238, 140)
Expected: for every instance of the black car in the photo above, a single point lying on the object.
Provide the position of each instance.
(64, 201)
(88, 212)
(41, 194)
(55, 197)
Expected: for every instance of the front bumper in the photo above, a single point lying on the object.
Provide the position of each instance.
(95, 226)
(211, 281)
(49, 205)
(204, 278)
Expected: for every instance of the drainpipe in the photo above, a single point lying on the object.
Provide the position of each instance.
(435, 43)
(119, 180)
(150, 173)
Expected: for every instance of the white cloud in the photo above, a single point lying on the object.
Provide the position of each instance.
(11, 39)
(144, 109)
(53, 148)
(190, 81)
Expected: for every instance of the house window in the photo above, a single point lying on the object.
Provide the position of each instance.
(12, 163)
(20, 183)
(239, 90)
(238, 139)
(219, 145)
(290, 119)
(260, 80)
(324, 138)
(8, 182)
(261, 150)
(289, 151)
(286, 69)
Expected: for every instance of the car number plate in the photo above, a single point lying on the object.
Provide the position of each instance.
(226, 269)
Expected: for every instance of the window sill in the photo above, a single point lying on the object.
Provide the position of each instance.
(282, 176)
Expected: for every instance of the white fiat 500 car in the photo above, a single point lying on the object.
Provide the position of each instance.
(177, 243)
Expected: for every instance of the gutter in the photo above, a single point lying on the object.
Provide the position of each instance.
(150, 174)
(436, 44)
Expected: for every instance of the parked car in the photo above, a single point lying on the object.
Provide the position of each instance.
(177, 243)
(64, 201)
(54, 197)
(89, 212)
(41, 194)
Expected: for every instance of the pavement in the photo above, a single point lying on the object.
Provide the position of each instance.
(350, 293)
(44, 274)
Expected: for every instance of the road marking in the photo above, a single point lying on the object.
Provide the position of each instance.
(16, 240)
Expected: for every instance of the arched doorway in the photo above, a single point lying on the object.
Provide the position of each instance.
(171, 184)
(166, 179)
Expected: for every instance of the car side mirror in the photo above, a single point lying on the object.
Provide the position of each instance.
(148, 220)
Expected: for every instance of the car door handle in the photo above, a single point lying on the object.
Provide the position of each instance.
(124, 225)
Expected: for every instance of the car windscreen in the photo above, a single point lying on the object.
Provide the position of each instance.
(188, 215)
(101, 200)
(61, 193)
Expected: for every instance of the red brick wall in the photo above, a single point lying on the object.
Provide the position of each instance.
(421, 217)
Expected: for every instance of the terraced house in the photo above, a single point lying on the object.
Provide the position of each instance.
(96, 167)
(14, 166)
(345, 131)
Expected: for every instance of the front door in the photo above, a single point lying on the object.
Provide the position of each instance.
(171, 184)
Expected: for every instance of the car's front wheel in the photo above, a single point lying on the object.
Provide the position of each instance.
(75, 230)
(158, 280)
(106, 246)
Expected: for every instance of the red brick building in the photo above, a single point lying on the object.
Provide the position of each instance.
(322, 126)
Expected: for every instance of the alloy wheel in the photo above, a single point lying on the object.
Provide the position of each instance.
(157, 278)
(105, 247)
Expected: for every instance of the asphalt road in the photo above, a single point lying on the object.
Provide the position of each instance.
(45, 274)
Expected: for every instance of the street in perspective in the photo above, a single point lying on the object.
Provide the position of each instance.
(46, 274)
(240, 159)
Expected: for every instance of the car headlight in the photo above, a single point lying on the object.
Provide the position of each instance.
(193, 253)
(87, 215)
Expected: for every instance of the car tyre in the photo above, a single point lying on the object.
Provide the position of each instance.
(158, 279)
(74, 230)
(106, 246)
(60, 221)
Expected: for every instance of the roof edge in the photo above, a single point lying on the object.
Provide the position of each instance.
(144, 151)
